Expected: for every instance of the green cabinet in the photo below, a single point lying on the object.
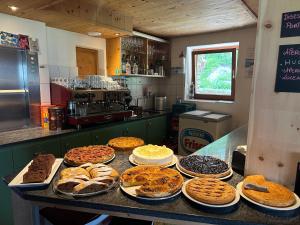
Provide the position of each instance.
(6, 168)
(73, 140)
(156, 130)
(135, 129)
(102, 135)
(23, 153)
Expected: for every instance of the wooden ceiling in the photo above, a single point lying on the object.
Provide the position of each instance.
(167, 18)
(164, 18)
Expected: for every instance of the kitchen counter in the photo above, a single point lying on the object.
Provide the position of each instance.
(27, 134)
(177, 210)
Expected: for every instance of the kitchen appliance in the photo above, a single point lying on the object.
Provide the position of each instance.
(19, 89)
(199, 128)
(90, 106)
(160, 103)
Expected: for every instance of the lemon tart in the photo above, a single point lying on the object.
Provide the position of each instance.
(152, 155)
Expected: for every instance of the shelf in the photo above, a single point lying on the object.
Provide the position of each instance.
(138, 75)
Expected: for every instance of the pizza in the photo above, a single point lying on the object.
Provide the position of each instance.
(275, 196)
(210, 191)
(125, 143)
(204, 166)
(152, 181)
(89, 154)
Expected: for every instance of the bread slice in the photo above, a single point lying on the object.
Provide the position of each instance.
(67, 185)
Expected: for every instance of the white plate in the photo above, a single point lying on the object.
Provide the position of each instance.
(18, 180)
(131, 191)
(293, 207)
(107, 161)
(174, 161)
(235, 201)
(86, 194)
(189, 175)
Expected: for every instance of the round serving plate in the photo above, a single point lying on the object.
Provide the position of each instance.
(131, 192)
(105, 162)
(192, 176)
(235, 201)
(115, 184)
(174, 161)
(292, 207)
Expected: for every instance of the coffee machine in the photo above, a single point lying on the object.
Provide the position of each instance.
(91, 106)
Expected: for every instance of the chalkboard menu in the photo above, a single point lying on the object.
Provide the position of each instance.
(288, 69)
(290, 24)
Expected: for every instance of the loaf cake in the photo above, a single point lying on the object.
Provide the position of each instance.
(39, 169)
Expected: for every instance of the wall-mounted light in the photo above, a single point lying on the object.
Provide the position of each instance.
(13, 8)
(94, 34)
(117, 34)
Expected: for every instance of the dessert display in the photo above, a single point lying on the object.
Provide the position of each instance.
(87, 179)
(152, 181)
(39, 169)
(203, 166)
(125, 143)
(211, 191)
(89, 154)
(258, 189)
(152, 155)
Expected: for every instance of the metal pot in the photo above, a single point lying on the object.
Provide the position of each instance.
(160, 103)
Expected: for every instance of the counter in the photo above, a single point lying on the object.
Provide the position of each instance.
(178, 210)
(28, 134)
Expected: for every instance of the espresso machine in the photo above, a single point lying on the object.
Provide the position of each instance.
(91, 106)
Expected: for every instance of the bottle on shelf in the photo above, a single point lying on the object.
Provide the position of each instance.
(128, 67)
(123, 66)
(135, 68)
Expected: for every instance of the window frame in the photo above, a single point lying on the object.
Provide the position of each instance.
(233, 75)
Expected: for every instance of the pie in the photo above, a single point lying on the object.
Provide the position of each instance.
(152, 181)
(152, 155)
(204, 166)
(276, 195)
(88, 178)
(125, 143)
(210, 190)
(89, 154)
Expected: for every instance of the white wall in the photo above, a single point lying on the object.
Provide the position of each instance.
(57, 48)
(174, 85)
(62, 48)
(273, 133)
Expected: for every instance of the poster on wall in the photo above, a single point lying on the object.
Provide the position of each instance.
(288, 69)
(290, 24)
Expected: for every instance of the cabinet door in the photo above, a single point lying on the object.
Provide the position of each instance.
(75, 140)
(6, 168)
(24, 152)
(135, 129)
(156, 130)
(102, 135)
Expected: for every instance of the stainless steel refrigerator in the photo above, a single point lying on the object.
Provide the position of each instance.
(19, 89)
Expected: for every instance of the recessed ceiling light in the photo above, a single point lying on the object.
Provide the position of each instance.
(13, 8)
(94, 34)
(117, 34)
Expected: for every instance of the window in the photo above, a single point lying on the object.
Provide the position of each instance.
(213, 73)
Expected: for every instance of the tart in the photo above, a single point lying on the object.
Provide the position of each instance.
(276, 195)
(152, 181)
(210, 190)
(125, 143)
(89, 154)
(152, 155)
(204, 166)
(86, 179)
